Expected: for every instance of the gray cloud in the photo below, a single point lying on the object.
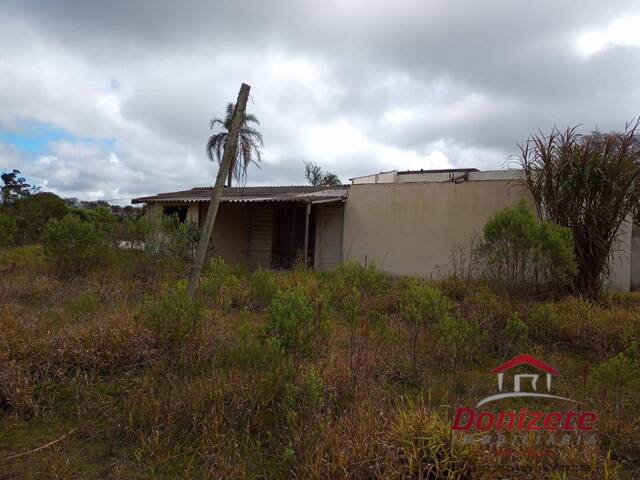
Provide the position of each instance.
(354, 86)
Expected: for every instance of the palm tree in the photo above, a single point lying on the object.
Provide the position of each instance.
(249, 144)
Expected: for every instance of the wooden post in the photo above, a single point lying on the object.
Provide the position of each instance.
(306, 232)
(229, 151)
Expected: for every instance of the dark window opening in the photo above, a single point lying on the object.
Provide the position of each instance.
(181, 212)
(288, 237)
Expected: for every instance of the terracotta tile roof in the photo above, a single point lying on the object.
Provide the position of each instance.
(286, 193)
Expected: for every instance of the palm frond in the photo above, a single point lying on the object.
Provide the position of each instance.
(251, 118)
(252, 133)
(215, 121)
(250, 142)
(214, 145)
(230, 108)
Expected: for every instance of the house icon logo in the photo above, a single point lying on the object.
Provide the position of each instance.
(522, 379)
(536, 385)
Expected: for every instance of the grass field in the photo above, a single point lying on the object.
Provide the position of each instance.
(117, 374)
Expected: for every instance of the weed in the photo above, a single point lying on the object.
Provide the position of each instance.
(292, 323)
(420, 306)
(313, 388)
(263, 287)
(515, 336)
(460, 336)
(172, 315)
(215, 275)
(73, 246)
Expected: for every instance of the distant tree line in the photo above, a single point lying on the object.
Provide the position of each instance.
(25, 210)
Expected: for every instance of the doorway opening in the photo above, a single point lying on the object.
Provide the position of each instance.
(288, 237)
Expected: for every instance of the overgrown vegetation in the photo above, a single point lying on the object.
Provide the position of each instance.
(109, 369)
(589, 184)
(518, 251)
(342, 374)
(74, 246)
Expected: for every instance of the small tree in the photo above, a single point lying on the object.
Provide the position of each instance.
(73, 246)
(293, 326)
(172, 314)
(517, 250)
(14, 187)
(589, 184)
(315, 176)
(31, 214)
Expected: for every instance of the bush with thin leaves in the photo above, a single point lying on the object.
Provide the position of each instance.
(7, 230)
(515, 336)
(263, 286)
(173, 314)
(293, 324)
(619, 371)
(167, 235)
(73, 246)
(369, 279)
(215, 275)
(420, 306)
(517, 250)
(460, 336)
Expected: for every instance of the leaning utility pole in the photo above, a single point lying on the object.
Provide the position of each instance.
(229, 152)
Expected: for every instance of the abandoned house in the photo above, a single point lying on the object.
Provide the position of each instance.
(405, 222)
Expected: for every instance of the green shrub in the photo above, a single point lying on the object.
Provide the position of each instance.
(614, 376)
(73, 246)
(167, 235)
(543, 323)
(28, 257)
(367, 279)
(8, 229)
(215, 275)
(517, 250)
(101, 218)
(172, 314)
(222, 286)
(263, 286)
(515, 336)
(420, 305)
(32, 214)
(618, 370)
(254, 352)
(234, 293)
(134, 231)
(460, 336)
(293, 324)
(184, 240)
(313, 387)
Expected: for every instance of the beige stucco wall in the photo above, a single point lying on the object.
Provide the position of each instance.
(229, 231)
(635, 258)
(620, 260)
(412, 228)
(328, 236)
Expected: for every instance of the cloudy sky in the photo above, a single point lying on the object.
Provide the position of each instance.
(112, 100)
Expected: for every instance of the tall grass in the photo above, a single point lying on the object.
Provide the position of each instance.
(308, 377)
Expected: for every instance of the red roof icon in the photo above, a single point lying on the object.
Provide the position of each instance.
(525, 359)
